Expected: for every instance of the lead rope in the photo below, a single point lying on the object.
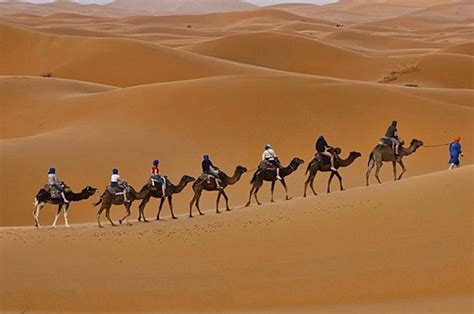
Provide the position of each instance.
(438, 145)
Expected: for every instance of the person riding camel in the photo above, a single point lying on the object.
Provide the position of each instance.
(117, 184)
(211, 171)
(156, 178)
(454, 152)
(54, 183)
(392, 136)
(323, 148)
(270, 156)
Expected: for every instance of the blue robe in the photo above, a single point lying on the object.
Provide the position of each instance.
(454, 152)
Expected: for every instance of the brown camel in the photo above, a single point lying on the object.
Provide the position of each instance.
(202, 183)
(262, 175)
(107, 199)
(316, 165)
(384, 153)
(43, 197)
(157, 193)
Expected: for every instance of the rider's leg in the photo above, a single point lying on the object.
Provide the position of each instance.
(163, 186)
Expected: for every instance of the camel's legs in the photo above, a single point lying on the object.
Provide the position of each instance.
(36, 213)
(394, 164)
(217, 201)
(141, 209)
(170, 203)
(369, 169)
(311, 183)
(271, 191)
(286, 188)
(340, 180)
(58, 212)
(197, 203)
(191, 204)
(330, 180)
(98, 216)
(250, 196)
(127, 214)
(107, 215)
(403, 169)
(377, 171)
(66, 211)
(226, 200)
(162, 201)
(255, 187)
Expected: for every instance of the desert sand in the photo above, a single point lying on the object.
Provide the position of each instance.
(87, 88)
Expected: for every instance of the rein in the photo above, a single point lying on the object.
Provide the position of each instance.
(438, 145)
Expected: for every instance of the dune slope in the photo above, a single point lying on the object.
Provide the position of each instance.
(383, 244)
(117, 62)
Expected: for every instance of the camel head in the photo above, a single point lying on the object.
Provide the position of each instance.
(240, 169)
(416, 143)
(297, 161)
(188, 179)
(90, 190)
(355, 155)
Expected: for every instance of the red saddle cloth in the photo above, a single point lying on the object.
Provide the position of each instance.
(267, 165)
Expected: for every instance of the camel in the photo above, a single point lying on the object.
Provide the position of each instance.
(43, 197)
(269, 175)
(107, 199)
(170, 190)
(383, 153)
(202, 183)
(316, 165)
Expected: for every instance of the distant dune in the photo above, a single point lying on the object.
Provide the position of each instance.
(89, 88)
(118, 62)
(293, 53)
(183, 6)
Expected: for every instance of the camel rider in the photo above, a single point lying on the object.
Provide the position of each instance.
(392, 135)
(454, 152)
(211, 171)
(54, 183)
(323, 148)
(270, 156)
(156, 178)
(117, 184)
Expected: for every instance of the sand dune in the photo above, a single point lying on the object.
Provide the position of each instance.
(181, 133)
(123, 87)
(465, 49)
(183, 6)
(293, 53)
(356, 40)
(333, 253)
(117, 62)
(442, 70)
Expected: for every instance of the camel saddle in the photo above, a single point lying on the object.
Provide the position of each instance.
(266, 165)
(155, 182)
(54, 192)
(385, 141)
(335, 151)
(118, 190)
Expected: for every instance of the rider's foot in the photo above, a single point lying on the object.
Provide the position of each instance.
(333, 169)
(279, 178)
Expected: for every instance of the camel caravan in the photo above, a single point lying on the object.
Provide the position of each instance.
(326, 159)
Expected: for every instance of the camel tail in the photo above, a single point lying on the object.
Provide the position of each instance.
(100, 200)
(370, 158)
